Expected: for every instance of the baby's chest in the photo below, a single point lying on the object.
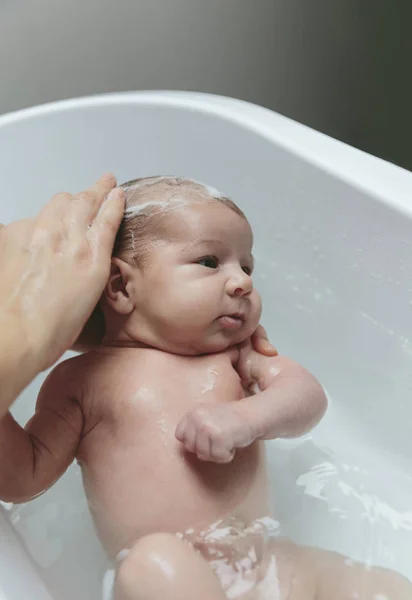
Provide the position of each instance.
(170, 388)
(213, 379)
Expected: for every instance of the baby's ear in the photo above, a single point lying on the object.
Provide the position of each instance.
(117, 291)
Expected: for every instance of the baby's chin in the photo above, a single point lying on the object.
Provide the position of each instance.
(186, 343)
(216, 343)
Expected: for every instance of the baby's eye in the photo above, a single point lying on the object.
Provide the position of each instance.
(211, 262)
(247, 270)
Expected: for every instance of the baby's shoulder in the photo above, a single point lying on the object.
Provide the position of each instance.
(72, 370)
(62, 381)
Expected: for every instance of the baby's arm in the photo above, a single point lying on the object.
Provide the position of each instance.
(33, 458)
(290, 401)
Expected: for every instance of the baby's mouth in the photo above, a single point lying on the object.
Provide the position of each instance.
(232, 321)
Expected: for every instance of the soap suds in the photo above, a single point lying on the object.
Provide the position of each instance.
(210, 383)
(141, 394)
(166, 206)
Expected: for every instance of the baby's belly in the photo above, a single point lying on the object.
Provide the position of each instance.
(154, 486)
(137, 477)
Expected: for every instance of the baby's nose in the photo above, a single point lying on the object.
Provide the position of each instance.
(240, 284)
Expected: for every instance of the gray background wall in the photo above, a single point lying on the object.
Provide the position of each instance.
(340, 66)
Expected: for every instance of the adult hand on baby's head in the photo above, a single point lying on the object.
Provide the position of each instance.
(54, 268)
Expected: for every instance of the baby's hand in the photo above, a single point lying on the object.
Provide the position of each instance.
(214, 431)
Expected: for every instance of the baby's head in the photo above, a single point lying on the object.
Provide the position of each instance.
(181, 270)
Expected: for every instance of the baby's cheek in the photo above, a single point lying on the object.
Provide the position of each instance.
(256, 306)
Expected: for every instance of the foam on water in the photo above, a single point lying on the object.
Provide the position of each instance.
(316, 481)
(353, 499)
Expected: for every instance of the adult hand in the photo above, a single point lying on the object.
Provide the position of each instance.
(54, 268)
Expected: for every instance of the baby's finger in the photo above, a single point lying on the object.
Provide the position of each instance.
(263, 346)
(180, 429)
(106, 224)
(185, 433)
(261, 332)
(203, 457)
(189, 437)
(261, 343)
(87, 203)
(223, 456)
(203, 445)
(220, 453)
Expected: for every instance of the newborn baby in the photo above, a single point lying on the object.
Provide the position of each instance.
(167, 418)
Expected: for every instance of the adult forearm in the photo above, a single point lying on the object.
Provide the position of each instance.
(18, 365)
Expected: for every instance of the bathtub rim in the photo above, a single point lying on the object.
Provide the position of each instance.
(389, 184)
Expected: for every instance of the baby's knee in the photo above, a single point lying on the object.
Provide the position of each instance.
(341, 578)
(153, 554)
(162, 566)
(391, 585)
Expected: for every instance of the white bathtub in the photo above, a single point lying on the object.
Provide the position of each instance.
(333, 230)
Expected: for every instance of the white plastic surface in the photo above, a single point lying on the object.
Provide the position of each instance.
(333, 242)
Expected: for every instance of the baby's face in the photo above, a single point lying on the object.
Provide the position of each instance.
(194, 293)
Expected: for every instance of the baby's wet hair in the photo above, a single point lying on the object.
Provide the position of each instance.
(148, 201)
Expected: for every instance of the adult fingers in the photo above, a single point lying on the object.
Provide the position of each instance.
(104, 228)
(88, 202)
(80, 208)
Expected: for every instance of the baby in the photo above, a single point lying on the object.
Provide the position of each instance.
(168, 417)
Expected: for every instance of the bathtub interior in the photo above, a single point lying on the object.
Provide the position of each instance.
(333, 266)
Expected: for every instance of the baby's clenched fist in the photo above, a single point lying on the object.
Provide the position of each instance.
(214, 431)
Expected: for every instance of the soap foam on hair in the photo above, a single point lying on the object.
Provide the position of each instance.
(166, 206)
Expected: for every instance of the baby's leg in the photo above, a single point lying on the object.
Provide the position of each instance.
(341, 579)
(162, 567)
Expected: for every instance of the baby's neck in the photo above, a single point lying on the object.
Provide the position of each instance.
(118, 334)
(120, 342)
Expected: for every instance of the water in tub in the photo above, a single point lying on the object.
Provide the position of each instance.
(345, 487)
